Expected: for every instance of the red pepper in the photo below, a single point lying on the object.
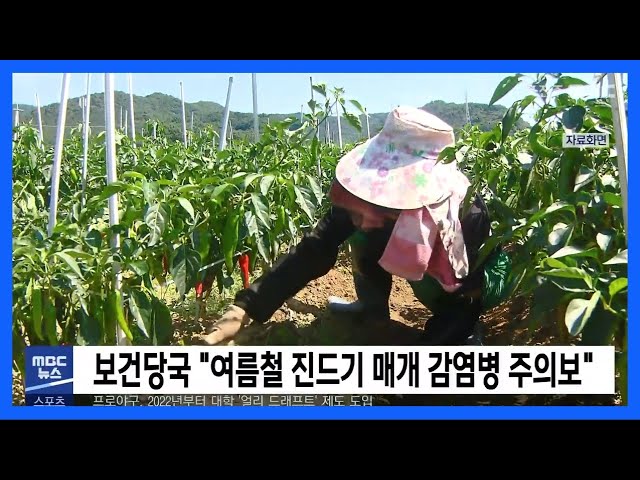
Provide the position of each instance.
(243, 261)
(199, 288)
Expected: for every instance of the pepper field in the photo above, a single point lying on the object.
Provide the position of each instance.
(189, 214)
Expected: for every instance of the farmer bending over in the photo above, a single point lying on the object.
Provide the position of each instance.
(399, 210)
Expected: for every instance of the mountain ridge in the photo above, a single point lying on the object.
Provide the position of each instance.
(167, 109)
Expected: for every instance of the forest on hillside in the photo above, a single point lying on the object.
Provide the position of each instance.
(167, 110)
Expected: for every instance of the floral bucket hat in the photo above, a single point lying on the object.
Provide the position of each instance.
(398, 169)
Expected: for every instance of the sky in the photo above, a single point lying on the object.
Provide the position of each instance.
(286, 92)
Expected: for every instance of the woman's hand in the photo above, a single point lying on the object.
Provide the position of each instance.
(227, 326)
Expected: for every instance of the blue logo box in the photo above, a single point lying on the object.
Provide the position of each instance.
(49, 376)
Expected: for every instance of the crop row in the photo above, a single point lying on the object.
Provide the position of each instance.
(190, 213)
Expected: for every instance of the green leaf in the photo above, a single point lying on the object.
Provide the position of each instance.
(316, 189)
(570, 273)
(604, 240)
(188, 189)
(618, 285)
(302, 202)
(162, 323)
(613, 199)
(557, 206)
(155, 219)
(70, 262)
(210, 180)
(573, 117)
(358, 105)
(584, 177)
(132, 174)
(353, 120)
(321, 88)
(220, 189)
(564, 100)
(260, 209)
(265, 184)
(90, 328)
(509, 120)
(504, 87)
(620, 258)
(168, 183)
(579, 311)
(94, 239)
(249, 179)
(601, 329)
(142, 312)
(447, 154)
(560, 234)
(79, 254)
(185, 266)
(149, 190)
(553, 263)
(570, 251)
(526, 160)
(251, 224)
(293, 231)
(567, 81)
(186, 204)
(112, 189)
(603, 111)
(139, 267)
(262, 242)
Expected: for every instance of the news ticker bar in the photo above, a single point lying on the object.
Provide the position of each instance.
(314, 370)
(134, 400)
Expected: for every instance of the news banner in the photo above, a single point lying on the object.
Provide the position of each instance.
(313, 375)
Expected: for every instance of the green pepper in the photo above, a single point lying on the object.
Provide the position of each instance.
(36, 311)
(282, 218)
(50, 320)
(116, 309)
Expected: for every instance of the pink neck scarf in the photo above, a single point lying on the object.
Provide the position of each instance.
(415, 247)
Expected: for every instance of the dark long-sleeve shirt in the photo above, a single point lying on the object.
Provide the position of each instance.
(317, 253)
(312, 258)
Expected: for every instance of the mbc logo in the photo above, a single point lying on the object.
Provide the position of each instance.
(49, 361)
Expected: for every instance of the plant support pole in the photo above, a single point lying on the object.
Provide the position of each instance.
(256, 126)
(110, 138)
(41, 132)
(184, 115)
(620, 125)
(339, 125)
(366, 114)
(57, 153)
(225, 119)
(86, 139)
(133, 123)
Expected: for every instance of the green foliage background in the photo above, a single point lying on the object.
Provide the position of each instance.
(187, 212)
